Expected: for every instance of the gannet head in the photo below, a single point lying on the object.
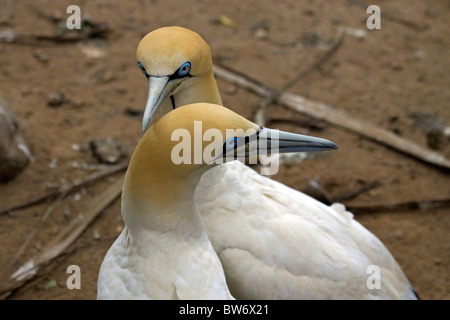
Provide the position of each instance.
(173, 59)
(184, 143)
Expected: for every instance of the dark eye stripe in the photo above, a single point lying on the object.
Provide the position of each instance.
(143, 69)
(182, 72)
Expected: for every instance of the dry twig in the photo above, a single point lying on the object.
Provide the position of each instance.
(275, 94)
(353, 194)
(395, 206)
(322, 111)
(31, 39)
(388, 16)
(317, 191)
(64, 190)
(304, 123)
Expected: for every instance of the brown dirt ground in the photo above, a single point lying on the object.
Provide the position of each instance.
(382, 78)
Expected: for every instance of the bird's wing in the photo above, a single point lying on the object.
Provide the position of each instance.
(277, 243)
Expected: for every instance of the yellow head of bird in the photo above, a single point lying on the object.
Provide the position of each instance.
(164, 51)
(178, 64)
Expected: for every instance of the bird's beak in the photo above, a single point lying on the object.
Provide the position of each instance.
(275, 141)
(159, 88)
(268, 141)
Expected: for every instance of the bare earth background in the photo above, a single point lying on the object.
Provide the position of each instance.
(384, 77)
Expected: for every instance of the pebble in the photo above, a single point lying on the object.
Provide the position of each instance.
(55, 99)
(106, 150)
(41, 56)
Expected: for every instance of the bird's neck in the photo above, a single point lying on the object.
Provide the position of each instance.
(193, 90)
(201, 89)
(154, 199)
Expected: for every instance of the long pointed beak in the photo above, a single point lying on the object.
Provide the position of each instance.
(274, 141)
(268, 141)
(159, 88)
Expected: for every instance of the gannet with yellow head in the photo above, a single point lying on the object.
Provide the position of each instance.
(181, 60)
(274, 242)
(164, 251)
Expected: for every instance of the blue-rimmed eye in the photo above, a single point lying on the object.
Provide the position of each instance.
(142, 69)
(231, 143)
(184, 69)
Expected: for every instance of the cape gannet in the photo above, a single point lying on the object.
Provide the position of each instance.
(164, 251)
(274, 242)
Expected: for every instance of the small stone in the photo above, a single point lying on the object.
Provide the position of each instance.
(260, 34)
(41, 56)
(435, 139)
(106, 150)
(231, 90)
(419, 54)
(53, 163)
(75, 147)
(395, 66)
(133, 112)
(96, 235)
(55, 99)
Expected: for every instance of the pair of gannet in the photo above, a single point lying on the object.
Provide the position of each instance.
(164, 251)
(273, 242)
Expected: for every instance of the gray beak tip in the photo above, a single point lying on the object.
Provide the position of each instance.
(334, 146)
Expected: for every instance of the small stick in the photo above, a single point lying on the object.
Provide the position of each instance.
(355, 193)
(322, 111)
(94, 31)
(30, 39)
(275, 94)
(315, 190)
(397, 206)
(389, 16)
(76, 185)
(44, 15)
(304, 123)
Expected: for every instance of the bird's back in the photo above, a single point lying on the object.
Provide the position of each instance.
(277, 243)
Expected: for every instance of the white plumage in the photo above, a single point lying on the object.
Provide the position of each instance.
(151, 265)
(277, 243)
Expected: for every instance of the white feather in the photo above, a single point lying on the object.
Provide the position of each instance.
(277, 243)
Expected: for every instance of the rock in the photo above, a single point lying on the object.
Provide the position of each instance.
(14, 152)
(435, 130)
(55, 99)
(259, 29)
(130, 112)
(106, 150)
(312, 40)
(436, 138)
(357, 33)
(41, 56)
